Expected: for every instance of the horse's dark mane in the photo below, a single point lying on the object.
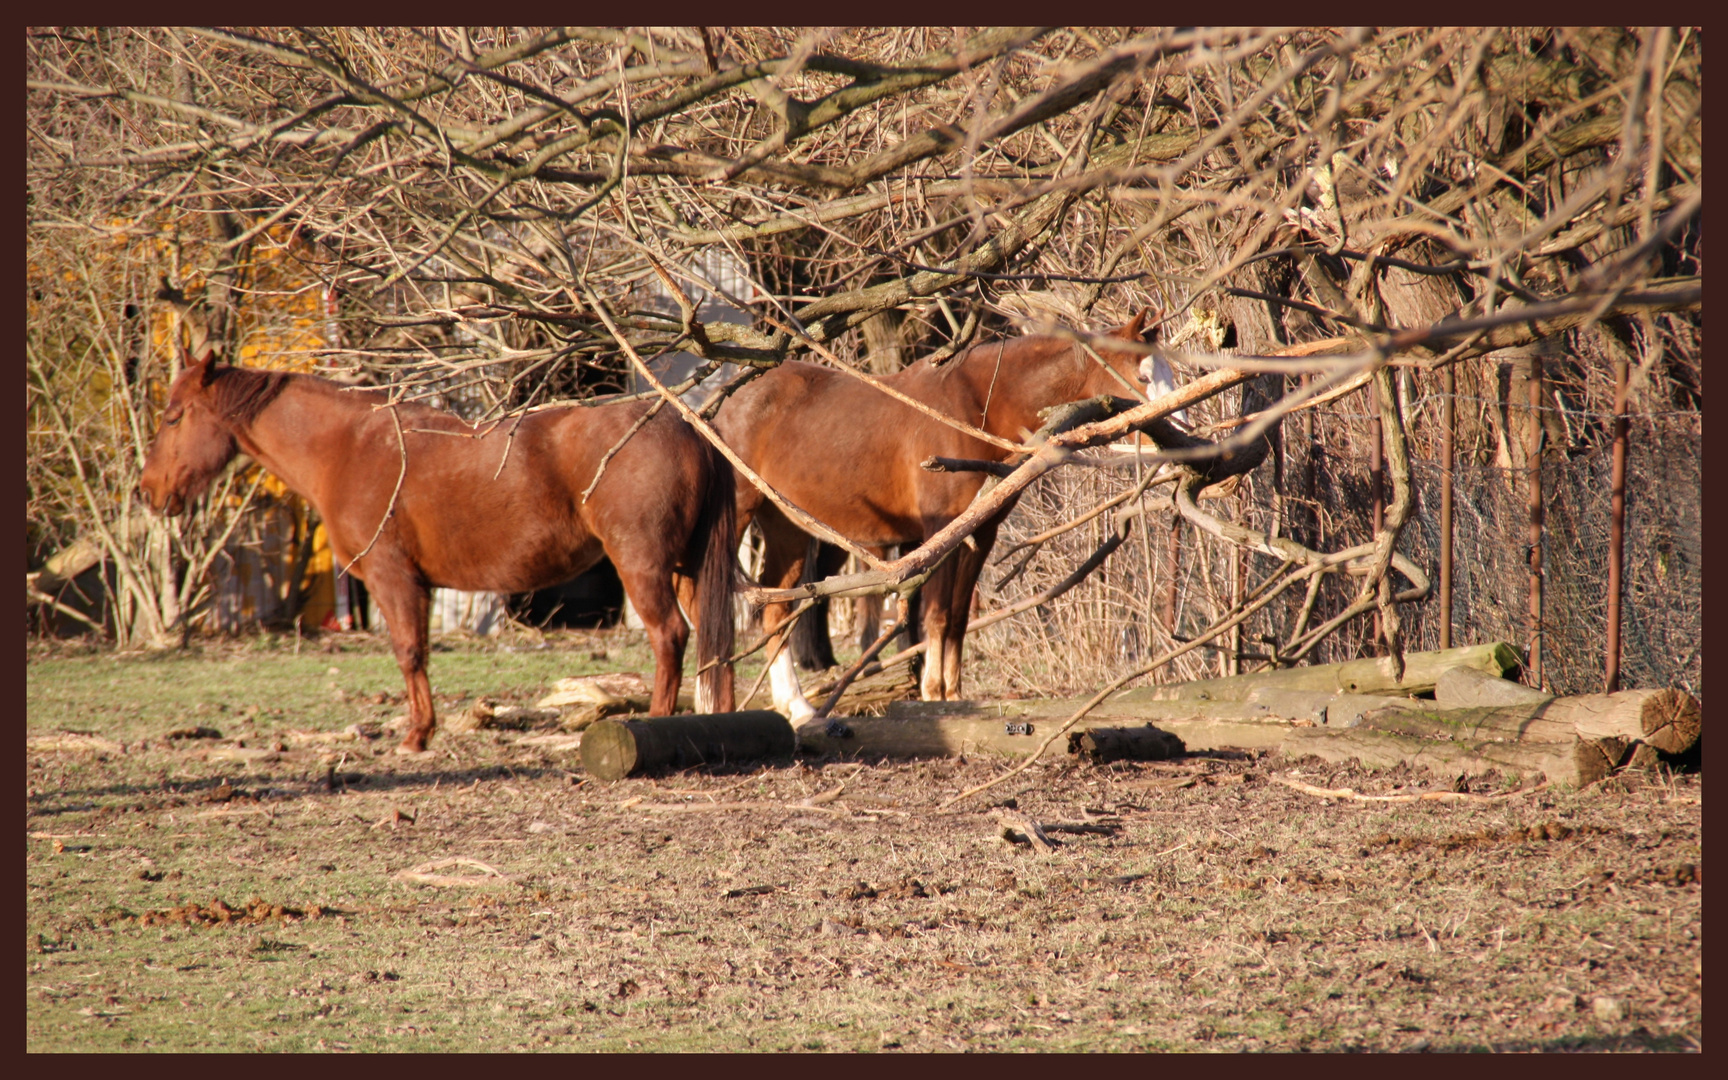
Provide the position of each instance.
(240, 394)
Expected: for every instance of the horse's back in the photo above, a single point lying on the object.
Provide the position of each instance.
(804, 409)
(509, 508)
(848, 453)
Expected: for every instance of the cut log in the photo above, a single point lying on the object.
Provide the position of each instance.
(64, 565)
(1573, 763)
(1463, 687)
(1669, 720)
(1422, 671)
(613, 749)
(1106, 744)
(923, 736)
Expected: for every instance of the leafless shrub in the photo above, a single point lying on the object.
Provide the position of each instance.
(463, 193)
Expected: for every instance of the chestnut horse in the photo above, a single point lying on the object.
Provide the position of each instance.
(849, 455)
(416, 498)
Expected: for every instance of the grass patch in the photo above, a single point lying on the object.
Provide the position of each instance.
(177, 901)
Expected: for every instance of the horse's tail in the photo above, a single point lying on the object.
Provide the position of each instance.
(717, 533)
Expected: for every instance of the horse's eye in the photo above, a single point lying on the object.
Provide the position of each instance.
(170, 421)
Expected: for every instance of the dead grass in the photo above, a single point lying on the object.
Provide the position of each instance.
(176, 902)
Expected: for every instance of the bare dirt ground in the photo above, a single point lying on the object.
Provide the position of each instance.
(191, 893)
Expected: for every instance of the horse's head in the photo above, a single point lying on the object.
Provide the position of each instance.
(1151, 372)
(192, 444)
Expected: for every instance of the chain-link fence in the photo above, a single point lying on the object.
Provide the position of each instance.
(1168, 582)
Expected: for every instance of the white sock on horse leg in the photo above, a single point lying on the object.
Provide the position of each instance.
(788, 695)
(930, 686)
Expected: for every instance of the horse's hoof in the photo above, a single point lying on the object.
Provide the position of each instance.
(411, 750)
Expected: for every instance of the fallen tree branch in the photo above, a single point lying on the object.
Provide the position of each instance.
(1427, 796)
(1014, 821)
(426, 873)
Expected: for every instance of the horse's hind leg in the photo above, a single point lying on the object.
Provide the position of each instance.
(685, 588)
(404, 602)
(650, 589)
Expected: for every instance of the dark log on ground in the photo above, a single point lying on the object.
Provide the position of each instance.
(613, 749)
(1422, 671)
(1106, 744)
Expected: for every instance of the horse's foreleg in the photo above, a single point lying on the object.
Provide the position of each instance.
(946, 608)
(404, 602)
(968, 564)
(935, 612)
(783, 552)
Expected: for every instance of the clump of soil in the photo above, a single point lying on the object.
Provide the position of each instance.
(256, 911)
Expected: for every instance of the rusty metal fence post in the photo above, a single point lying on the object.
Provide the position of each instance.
(1535, 463)
(1448, 387)
(1616, 527)
(1377, 483)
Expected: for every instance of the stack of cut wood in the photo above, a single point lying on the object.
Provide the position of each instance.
(1454, 711)
(584, 699)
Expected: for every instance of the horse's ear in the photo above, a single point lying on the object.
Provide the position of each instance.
(204, 364)
(1136, 327)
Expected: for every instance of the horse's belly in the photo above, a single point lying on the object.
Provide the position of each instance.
(514, 564)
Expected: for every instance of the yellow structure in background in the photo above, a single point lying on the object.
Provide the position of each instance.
(282, 317)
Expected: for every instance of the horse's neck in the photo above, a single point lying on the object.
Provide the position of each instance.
(298, 427)
(1015, 379)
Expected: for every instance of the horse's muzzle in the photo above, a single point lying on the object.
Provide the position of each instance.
(170, 505)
